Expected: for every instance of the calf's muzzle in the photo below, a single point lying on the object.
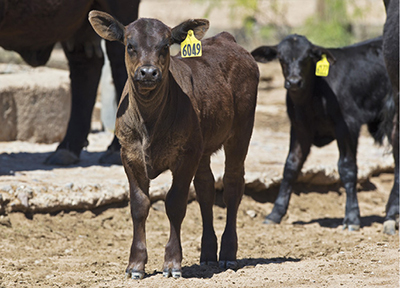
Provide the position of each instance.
(147, 75)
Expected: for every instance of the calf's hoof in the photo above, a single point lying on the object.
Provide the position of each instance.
(228, 264)
(111, 157)
(62, 157)
(269, 222)
(134, 274)
(351, 227)
(389, 227)
(209, 263)
(175, 273)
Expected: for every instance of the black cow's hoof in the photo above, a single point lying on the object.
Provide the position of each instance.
(389, 227)
(175, 273)
(62, 157)
(111, 157)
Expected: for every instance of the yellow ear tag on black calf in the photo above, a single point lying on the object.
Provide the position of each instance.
(322, 68)
(190, 47)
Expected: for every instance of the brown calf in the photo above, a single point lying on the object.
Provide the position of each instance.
(174, 113)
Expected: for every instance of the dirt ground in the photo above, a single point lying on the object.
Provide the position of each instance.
(309, 248)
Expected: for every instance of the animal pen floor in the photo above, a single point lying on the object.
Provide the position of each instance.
(90, 248)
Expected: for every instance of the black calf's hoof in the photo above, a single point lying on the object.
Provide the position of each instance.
(351, 227)
(269, 222)
(228, 264)
(389, 227)
(62, 157)
(209, 263)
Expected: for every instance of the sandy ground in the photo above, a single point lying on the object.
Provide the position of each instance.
(90, 248)
(309, 249)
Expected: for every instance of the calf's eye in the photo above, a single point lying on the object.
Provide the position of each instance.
(130, 48)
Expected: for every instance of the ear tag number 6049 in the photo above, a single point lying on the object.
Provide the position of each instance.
(190, 47)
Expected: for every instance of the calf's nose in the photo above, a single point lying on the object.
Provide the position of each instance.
(293, 82)
(147, 73)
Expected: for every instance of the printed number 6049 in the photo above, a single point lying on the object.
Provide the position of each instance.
(191, 50)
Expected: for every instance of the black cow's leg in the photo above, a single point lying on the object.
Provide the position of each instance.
(140, 205)
(205, 191)
(347, 167)
(175, 206)
(392, 206)
(115, 53)
(85, 71)
(298, 152)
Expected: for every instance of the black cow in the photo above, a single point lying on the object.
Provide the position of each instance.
(322, 109)
(32, 28)
(391, 55)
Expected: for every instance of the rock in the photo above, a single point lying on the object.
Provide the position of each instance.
(5, 221)
(251, 213)
(34, 104)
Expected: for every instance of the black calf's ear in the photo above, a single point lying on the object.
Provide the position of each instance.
(199, 27)
(318, 51)
(264, 54)
(106, 26)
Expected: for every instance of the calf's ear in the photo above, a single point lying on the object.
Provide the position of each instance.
(199, 27)
(264, 54)
(106, 26)
(318, 51)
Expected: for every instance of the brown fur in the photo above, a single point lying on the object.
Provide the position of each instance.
(194, 107)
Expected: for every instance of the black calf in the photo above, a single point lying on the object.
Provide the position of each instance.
(322, 109)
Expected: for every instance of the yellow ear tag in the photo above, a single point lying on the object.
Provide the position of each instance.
(322, 68)
(190, 47)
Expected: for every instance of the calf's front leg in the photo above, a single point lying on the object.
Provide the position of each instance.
(140, 205)
(175, 206)
(298, 152)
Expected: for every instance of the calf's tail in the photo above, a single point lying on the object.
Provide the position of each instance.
(383, 127)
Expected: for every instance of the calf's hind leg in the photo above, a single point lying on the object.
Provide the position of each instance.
(235, 153)
(205, 191)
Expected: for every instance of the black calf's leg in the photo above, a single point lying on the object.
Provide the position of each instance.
(205, 191)
(347, 167)
(298, 152)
